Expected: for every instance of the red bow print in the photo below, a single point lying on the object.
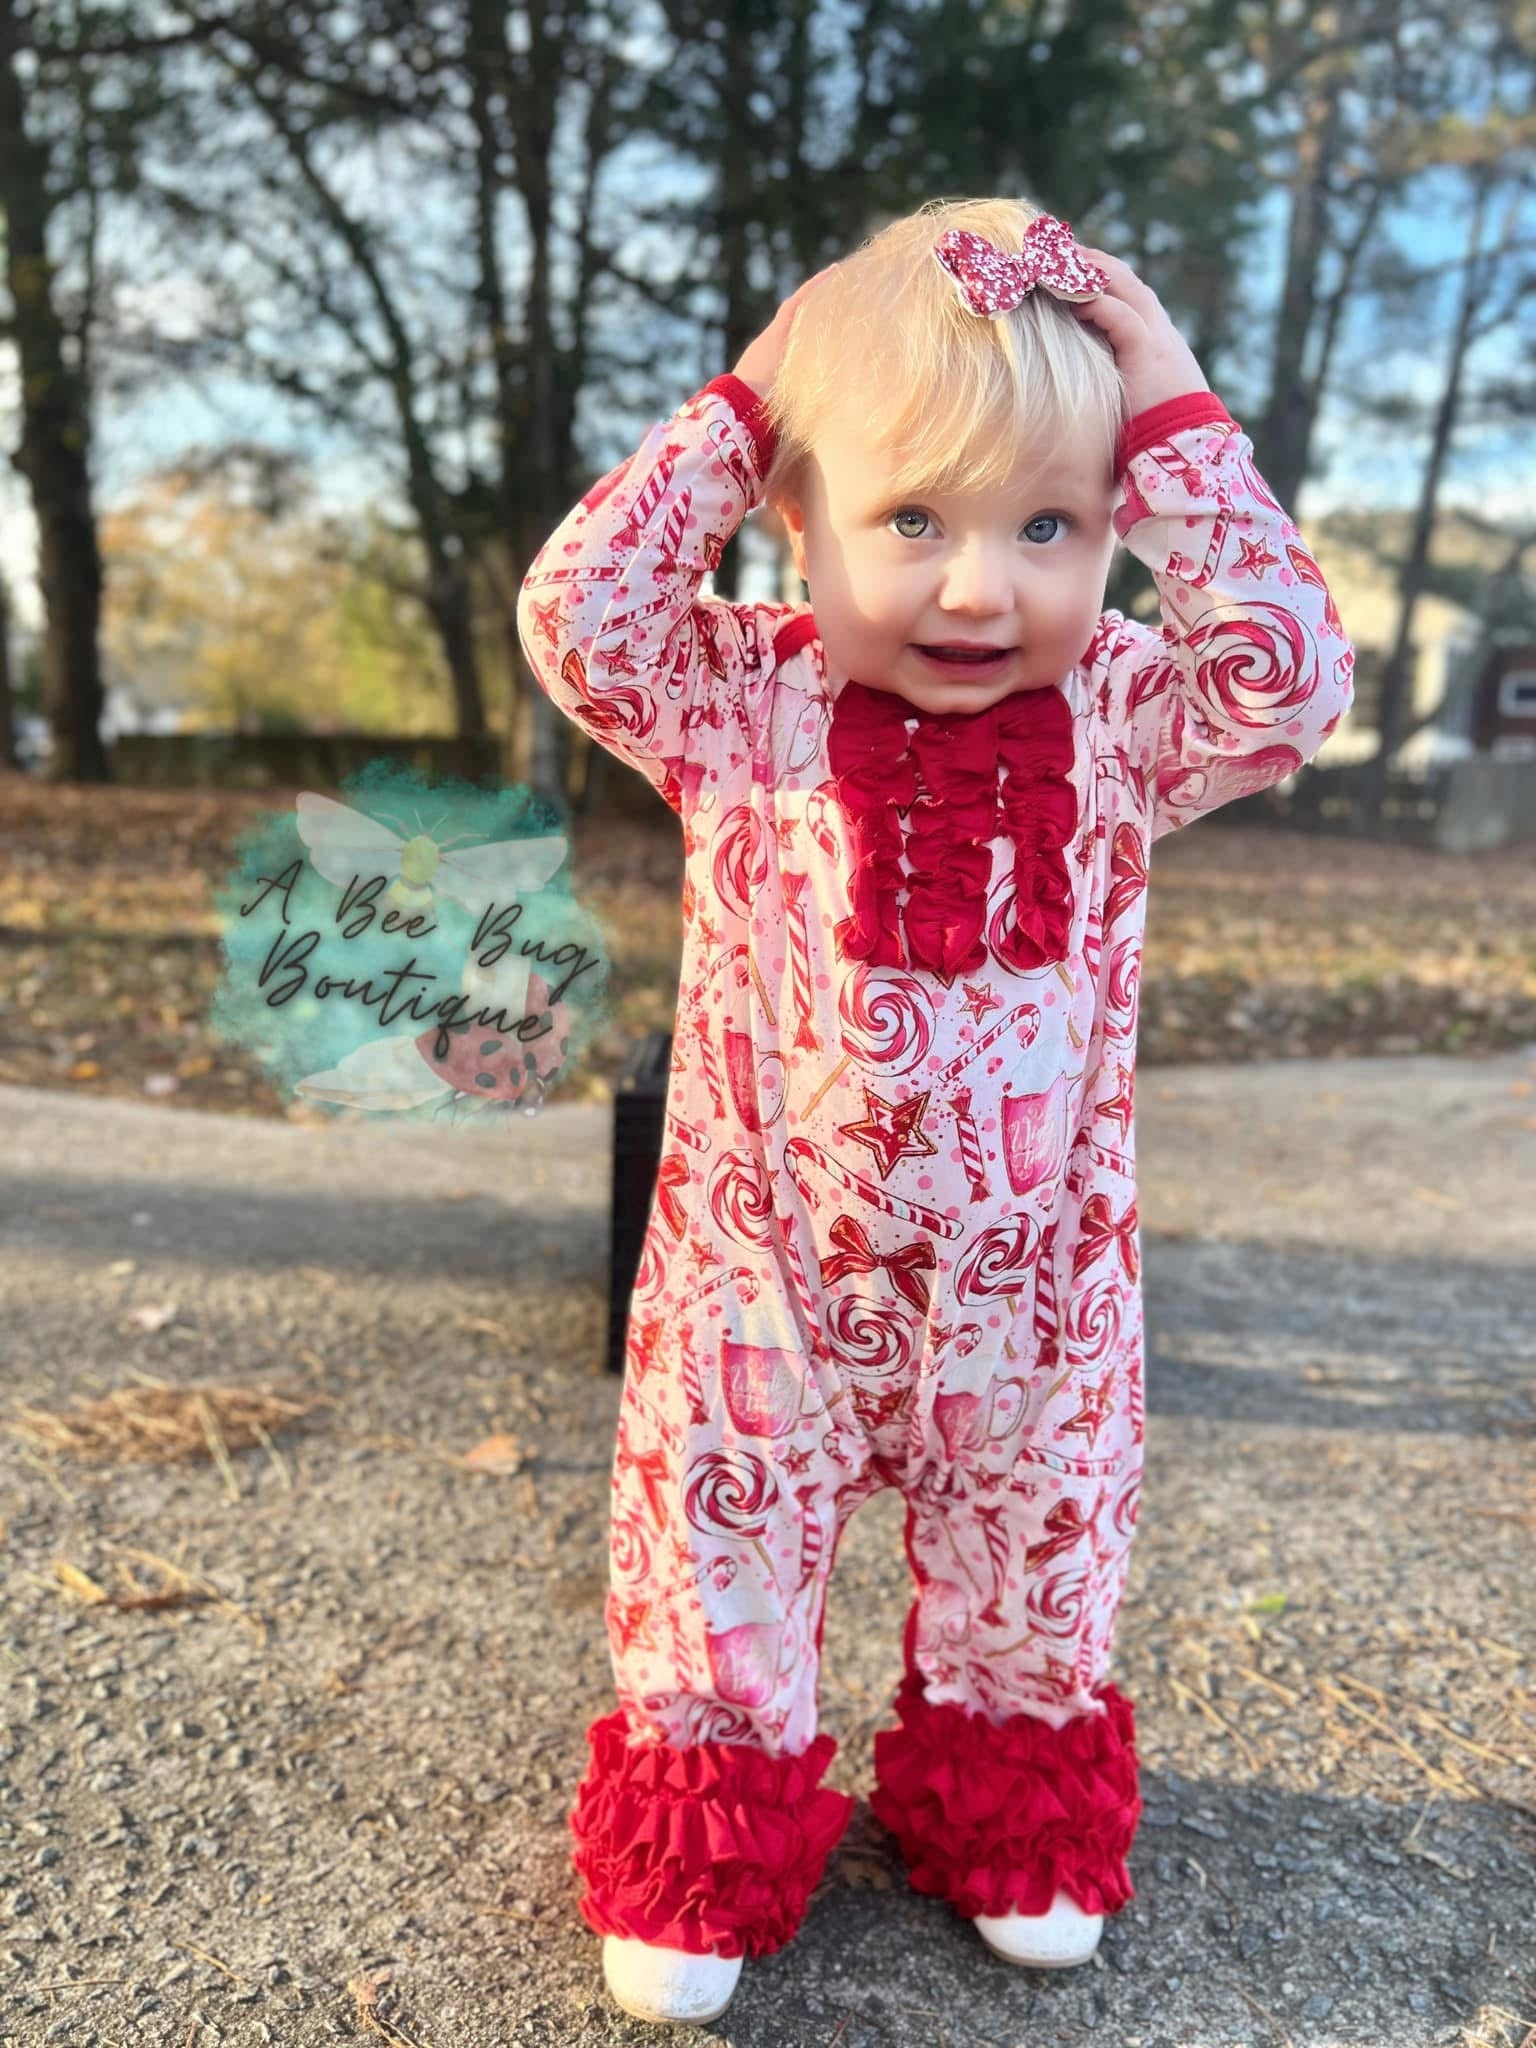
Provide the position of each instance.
(650, 1468)
(856, 1254)
(1099, 1231)
(990, 280)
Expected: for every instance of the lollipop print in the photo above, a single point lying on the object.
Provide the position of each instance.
(995, 1259)
(887, 1021)
(732, 1491)
(741, 1201)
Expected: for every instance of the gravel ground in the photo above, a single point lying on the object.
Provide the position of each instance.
(322, 1794)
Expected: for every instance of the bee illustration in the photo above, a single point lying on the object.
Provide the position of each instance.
(487, 1063)
(344, 843)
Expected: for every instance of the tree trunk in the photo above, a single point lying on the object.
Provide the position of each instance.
(9, 758)
(1397, 675)
(449, 602)
(54, 440)
(1283, 441)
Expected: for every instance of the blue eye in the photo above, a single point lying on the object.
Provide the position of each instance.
(1057, 519)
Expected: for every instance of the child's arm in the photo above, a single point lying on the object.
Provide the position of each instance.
(610, 616)
(1252, 669)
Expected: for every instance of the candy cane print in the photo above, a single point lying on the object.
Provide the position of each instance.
(693, 1136)
(723, 435)
(802, 1289)
(820, 809)
(1075, 1468)
(647, 498)
(800, 1154)
(1026, 1016)
(741, 952)
(741, 1277)
(669, 1433)
(710, 1066)
(805, 1039)
(680, 1656)
(812, 1536)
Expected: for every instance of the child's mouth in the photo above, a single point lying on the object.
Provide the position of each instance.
(972, 661)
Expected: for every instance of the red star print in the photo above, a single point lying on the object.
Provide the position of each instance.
(643, 1351)
(1253, 558)
(890, 1130)
(617, 660)
(978, 1000)
(547, 620)
(1095, 1412)
(1119, 1107)
(702, 1256)
(795, 1462)
(784, 832)
(876, 1410)
(631, 1620)
(710, 933)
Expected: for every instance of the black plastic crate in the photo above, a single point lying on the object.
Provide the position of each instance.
(639, 1119)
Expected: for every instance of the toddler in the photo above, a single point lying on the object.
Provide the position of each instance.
(893, 1239)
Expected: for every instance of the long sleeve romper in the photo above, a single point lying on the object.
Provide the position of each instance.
(893, 1239)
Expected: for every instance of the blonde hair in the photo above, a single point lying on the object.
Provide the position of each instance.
(886, 339)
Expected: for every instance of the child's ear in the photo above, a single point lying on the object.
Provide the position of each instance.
(793, 517)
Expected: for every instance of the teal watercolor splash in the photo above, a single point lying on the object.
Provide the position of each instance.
(310, 977)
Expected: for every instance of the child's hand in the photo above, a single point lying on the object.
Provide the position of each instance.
(760, 359)
(1153, 357)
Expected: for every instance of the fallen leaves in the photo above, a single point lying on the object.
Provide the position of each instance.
(499, 1454)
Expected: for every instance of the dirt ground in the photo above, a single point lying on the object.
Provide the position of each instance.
(292, 1722)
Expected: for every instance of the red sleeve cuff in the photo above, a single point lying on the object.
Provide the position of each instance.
(1194, 409)
(749, 409)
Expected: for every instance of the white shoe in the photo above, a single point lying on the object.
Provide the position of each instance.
(1045, 1941)
(668, 1983)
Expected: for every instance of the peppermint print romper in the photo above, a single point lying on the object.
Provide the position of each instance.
(893, 1237)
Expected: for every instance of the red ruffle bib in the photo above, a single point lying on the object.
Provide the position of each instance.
(943, 778)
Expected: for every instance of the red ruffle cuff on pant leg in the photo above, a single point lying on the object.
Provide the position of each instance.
(1000, 1817)
(714, 1847)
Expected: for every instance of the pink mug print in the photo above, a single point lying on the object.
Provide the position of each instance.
(1035, 1136)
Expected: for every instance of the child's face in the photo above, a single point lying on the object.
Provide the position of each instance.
(1022, 567)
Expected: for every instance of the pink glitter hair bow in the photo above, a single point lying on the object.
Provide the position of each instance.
(990, 280)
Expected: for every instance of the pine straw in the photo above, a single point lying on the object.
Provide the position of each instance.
(158, 1422)
(1497, 2027)
(1377, 1738)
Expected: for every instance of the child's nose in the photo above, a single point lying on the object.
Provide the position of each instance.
(978, 579)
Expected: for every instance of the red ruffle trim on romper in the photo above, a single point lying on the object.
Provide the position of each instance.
(945, 774)
(714, 1847)
(999, 1818)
